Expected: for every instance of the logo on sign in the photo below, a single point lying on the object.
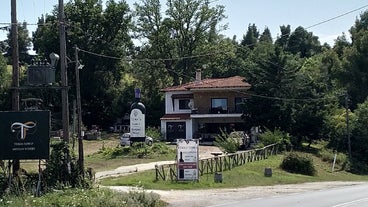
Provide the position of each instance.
(21, 128)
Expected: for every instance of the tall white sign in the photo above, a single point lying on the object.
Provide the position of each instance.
(137, 123)
(187, 159)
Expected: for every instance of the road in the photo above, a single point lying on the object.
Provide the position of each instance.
(348, 196)
(316, 194)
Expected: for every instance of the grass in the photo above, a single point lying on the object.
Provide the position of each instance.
(85, 198)
(251, 174)
(96, 160)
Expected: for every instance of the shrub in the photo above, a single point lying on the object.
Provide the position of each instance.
(276, 136)
(298, 163)
(358, 167)
(62, 169)
(86, 198)
(225, 143)
(327, 155)
(154, 133)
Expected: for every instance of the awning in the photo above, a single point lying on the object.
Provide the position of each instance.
(179, 96)
(175, 117)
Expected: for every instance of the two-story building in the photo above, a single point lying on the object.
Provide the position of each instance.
(202, 108)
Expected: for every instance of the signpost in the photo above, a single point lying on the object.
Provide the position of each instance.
(187, 159)
(25, 135)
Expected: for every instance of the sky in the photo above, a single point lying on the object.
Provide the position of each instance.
(330, 17)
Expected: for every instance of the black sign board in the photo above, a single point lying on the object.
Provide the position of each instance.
(24, 135)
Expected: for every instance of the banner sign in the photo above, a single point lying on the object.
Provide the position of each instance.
(24, 135)
(187, 159)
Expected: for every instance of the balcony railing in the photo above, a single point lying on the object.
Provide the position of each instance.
(208, 110)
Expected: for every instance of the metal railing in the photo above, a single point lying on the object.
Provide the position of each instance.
(219, 163)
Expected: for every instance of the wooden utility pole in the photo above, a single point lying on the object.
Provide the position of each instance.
(63, 72)
(15, 57)
(347, 124)
(79, 114)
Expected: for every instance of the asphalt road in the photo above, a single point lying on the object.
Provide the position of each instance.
(348, 196)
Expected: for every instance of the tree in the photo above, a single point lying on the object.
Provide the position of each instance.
(178, 39)
(283, 39)
(100, 34)
(24, 43)
(354, 76)
(250, 39)
(359, 138)
(5, 82)
(273, 79)
(266, 36)
(340, 44)
(303, 43)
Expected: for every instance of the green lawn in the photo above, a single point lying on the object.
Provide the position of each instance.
(250, 174)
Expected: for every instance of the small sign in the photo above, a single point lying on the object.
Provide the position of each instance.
(187, 159)
(25, 135)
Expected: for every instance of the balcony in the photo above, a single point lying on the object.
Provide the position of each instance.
(218, 110)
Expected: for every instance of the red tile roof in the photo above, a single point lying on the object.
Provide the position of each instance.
(231, 82)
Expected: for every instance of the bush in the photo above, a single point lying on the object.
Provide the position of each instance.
(226, 144)
(276, 136)
(154, 133)
(327, 155)
(62, 169)
(138, 149)
(298, 163)
(85, 198)
(358, 167)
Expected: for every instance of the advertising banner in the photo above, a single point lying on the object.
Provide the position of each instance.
(187, 159)
(25, 135)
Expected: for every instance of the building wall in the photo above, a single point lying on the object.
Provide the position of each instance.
(172, 105)
(202, 100)
(188, 128)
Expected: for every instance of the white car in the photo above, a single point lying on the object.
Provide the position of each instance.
(125, 140)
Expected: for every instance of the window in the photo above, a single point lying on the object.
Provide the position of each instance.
(184, 104)
(218, 105)
(238, 104)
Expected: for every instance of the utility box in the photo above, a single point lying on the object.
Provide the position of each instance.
(40, 75)
(268, 172)
(218, 177)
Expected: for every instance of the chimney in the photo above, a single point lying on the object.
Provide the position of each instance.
(198, 75)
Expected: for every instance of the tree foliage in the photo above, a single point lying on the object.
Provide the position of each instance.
(181, 38)
(97, 31)
(24, 43)
(298, 85)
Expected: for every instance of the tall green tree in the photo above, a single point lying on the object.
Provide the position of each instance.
(5, 81)
(266, 36)
(250, 39)
(178, 39)
(273, 83)
(283, 39)
(359, 139)
(303, 43)
(354, 74)
(24, 43)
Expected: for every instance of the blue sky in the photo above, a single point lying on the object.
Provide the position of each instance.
(240, 13)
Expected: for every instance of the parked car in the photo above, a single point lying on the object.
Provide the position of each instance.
(125, 140)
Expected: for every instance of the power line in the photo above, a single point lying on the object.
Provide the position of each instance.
(151, 59)
(336, 17)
